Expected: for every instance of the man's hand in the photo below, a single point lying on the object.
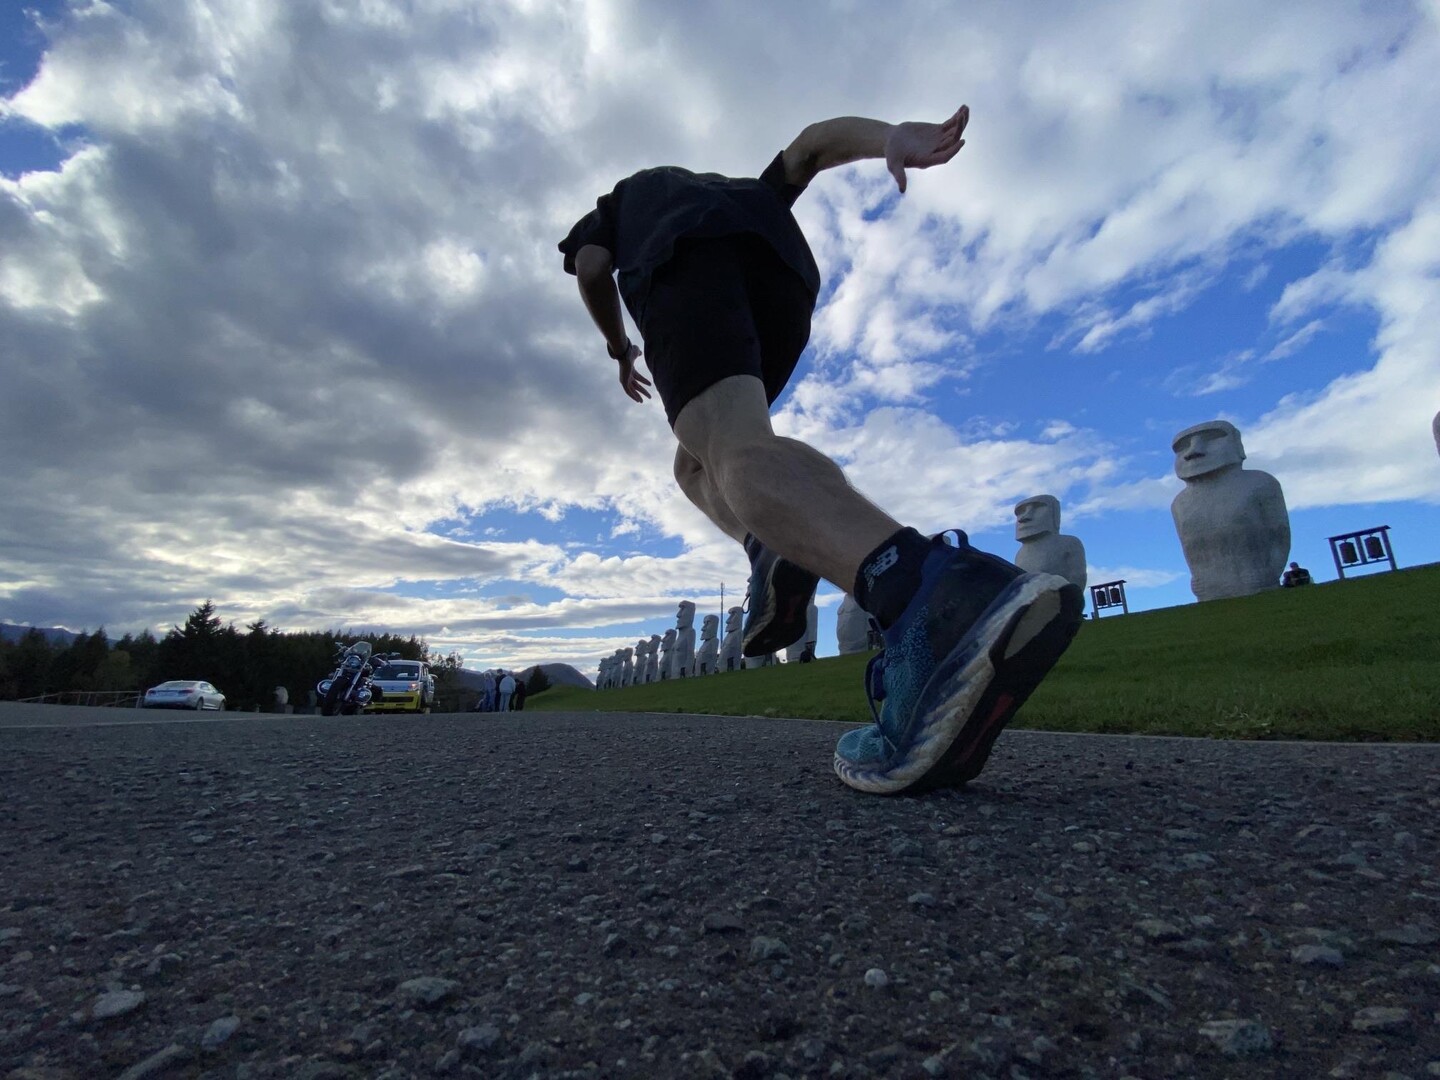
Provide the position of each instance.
(913, 145)
(631, 381)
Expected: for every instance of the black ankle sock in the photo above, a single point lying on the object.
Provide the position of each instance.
(889, 576)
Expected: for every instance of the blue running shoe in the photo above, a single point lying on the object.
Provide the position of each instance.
(777, 603)
(976, 639)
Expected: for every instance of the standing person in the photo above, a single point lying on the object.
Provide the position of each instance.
(721, 284)
(507, 691)
(518, 701)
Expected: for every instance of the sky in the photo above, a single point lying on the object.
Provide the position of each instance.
(283, 324)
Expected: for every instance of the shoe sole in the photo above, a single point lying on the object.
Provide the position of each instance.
(779, 626)
(977, 689)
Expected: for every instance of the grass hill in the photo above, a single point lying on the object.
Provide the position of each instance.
(1347, 660)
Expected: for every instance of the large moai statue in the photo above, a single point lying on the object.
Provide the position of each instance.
(707, 657)
(730, 648)
(1042, 549)
(641, 647)
(1232, 522)
(682, 660)
(667, 654)
(804, 649)
(627, 667)
(652, 659)
(852, 627)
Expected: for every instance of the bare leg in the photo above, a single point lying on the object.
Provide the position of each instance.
(791, 496)
(696, 484)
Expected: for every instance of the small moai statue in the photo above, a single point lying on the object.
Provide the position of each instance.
(627, 667)
(1043, 550)
(852, 627)
(730, 648)
(803, 651)
(667, 654)
(707, 657)
(652, 659)
(682, 660)
(1231, 521)
(641, 647)
(600, 674)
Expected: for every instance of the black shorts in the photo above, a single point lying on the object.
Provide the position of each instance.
(722, 307)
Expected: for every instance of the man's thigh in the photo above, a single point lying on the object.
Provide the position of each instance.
(726, 413)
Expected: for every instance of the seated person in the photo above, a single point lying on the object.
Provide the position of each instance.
(1296, 575)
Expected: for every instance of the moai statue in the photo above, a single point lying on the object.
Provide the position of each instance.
(682, 660)
(600, 675)
(707, 657)
(640, 649)
(1232, 522)
(803, 650)
(667, 654)
(1435, 430)
(652, 659)
(627, 667)
(852, 627)
(1042, 549)
(730, 648)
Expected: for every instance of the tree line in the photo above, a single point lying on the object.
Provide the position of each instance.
(246, 665)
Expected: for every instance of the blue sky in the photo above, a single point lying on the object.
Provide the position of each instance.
(283, 323)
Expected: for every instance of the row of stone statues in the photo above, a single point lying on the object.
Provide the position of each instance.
(674, 654)
(1232, 524)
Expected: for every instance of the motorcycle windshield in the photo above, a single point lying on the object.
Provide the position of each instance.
(360, 649)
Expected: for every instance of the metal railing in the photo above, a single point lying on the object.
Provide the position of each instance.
(122, 699)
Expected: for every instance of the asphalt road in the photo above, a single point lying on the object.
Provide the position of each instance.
(648, 895)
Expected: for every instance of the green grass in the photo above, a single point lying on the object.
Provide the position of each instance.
(1352, 660)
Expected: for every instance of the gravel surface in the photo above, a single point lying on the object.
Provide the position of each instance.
(609, 895)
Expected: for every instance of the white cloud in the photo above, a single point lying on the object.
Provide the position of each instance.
(292, 306)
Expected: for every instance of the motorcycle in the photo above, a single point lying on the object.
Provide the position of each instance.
(347, 690)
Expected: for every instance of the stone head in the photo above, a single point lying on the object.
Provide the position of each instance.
(627, 654)
(732, 619)
(710, 626)
(685, 616)
(1207, 448)
(669, 639)
(654, 642)
(1036, 516)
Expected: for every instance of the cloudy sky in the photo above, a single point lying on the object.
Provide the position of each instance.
(282, 322)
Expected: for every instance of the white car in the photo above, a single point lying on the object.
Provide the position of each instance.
(183, 694)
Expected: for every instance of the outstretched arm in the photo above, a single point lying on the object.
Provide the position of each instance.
(593, 266)
(911, 145)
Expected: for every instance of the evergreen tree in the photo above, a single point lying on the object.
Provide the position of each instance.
(538, 682)
(30, 664)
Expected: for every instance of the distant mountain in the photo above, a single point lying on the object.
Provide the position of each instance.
(561, 675)
(558, 674)
(53, 634)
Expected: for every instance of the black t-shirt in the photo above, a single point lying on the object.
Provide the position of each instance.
(643, 218)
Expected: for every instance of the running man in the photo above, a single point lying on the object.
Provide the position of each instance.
(721, 284)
